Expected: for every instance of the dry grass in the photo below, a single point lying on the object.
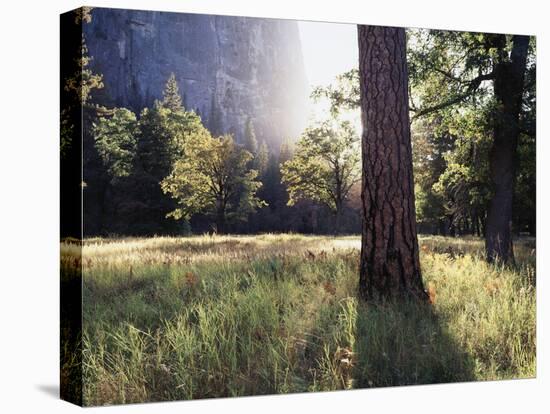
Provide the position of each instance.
(212, 316)
(173, 250)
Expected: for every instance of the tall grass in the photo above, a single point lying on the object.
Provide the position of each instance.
(182, 318)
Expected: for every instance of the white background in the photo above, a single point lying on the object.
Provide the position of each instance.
(29, 206)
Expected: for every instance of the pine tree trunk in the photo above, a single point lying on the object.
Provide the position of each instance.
(508, 86)
(390, 264)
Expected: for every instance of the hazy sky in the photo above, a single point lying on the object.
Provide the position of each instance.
(329, 49)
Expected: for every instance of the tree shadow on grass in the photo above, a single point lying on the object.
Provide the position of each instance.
(406, 343)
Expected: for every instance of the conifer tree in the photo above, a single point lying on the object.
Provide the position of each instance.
(262, 159)
(172, 99)
(214, 118)
(250, 141)
(390, 264)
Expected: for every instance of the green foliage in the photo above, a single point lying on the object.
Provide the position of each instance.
(237, 319)
(137, 155)
(450, 159)
(525, 189)
(452, 106)
(158, 137)
(163, 136)
(429, 150)
(116, 137)
(465, 182)
(84, 80)
(344, 94)
(278, 216)
(448, 69)
(213, 177)
(164, 129)
(325, 164)
(452, 101)
(77, 85)
(450, 78)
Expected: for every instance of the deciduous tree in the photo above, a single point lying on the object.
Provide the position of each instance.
(509, 74)
(213, 178)
(324, 166)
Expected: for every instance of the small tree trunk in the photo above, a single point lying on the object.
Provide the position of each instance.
(220, 217)
(390, 264)
(339, 201)
(338, 220)
(508, 87)
(476, 224)
(442, 228)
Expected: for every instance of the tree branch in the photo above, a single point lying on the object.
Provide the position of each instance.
(472, 88)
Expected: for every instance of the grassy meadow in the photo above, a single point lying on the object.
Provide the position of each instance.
(215, 316)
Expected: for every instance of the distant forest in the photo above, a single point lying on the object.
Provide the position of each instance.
(163, 172)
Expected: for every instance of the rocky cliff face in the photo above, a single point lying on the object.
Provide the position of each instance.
(227, 68)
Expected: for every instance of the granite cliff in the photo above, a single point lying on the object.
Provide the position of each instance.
(227, 68)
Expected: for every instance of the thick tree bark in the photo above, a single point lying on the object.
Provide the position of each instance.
(390, 264)
(509, 75)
